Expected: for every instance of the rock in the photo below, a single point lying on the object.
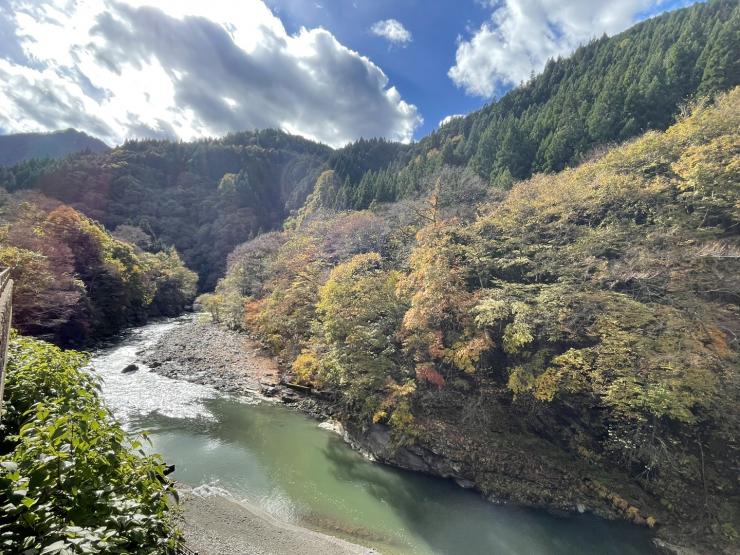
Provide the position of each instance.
(269, 391)
(463, 483)
(289, 398)
(665, 548)
(130, 368)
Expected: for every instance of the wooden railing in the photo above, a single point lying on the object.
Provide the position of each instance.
(6, 314)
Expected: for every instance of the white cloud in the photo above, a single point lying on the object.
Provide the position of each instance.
(157, 68)
(522, 34)
(447, 119)
(392, 30)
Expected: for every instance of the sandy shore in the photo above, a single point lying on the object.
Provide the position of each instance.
(215, 525)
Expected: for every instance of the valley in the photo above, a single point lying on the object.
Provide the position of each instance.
(517, 333)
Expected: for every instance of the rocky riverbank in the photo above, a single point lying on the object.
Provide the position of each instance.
(232, 362)
(202, 353)
(505, 464)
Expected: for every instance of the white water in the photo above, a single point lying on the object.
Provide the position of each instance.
(144, 392)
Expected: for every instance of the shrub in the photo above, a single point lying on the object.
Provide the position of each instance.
(73, 481)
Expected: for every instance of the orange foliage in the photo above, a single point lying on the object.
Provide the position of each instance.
(427, 372)
(252, 313)
(718, 341)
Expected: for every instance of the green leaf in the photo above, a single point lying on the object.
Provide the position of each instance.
(10, 466)
(55, 547)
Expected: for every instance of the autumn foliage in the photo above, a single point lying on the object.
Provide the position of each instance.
(606, 294)
(73, 281)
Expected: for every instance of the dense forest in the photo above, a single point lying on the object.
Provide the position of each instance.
(202, 198)
(543, 292)
(74, 281)
(581, 326)
(609, 90)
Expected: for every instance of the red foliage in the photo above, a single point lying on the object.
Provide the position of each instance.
(436, 346)
(428, 373)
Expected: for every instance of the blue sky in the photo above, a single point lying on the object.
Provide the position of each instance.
(418, 69)
(330, 70)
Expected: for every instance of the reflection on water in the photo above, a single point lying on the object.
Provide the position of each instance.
(283, 462)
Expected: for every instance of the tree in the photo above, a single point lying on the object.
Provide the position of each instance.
(73, 481)
(358, 314)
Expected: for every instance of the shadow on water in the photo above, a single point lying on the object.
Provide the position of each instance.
(453, 520)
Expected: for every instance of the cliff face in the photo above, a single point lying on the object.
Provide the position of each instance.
(509, 463)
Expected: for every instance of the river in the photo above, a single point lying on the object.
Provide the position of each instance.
(283, 462)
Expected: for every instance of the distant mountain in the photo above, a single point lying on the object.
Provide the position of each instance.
(24, 146)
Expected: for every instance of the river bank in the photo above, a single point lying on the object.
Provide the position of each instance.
(216, 525)
(228, 361)
(206, 354)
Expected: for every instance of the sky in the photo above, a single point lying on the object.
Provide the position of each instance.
(330, 70)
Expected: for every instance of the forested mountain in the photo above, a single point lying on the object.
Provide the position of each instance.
(203, 198)
(539, 300)
(573, 339)
(25, 146)
(609, 90)
(208, 196)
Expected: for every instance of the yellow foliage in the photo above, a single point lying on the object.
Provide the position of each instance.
(516, 336)
(490, 311)
(521, 381)
(380, 416)
(306, 367)
(710, 175)
(547, 385)
(466, 354)
(569, 372)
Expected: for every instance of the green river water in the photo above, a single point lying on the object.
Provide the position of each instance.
(282, 461)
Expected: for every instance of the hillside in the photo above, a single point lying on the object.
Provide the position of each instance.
(74, 281)
(575, 342)
(206, 197)
(203, 198)
(538, 302)
(609, 90)
(20, 147)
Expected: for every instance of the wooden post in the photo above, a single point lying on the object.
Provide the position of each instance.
(6, 315)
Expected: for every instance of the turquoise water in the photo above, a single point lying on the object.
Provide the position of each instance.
(285, 463)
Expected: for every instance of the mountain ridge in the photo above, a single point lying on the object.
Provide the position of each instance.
(19, 147)
(547, 124)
